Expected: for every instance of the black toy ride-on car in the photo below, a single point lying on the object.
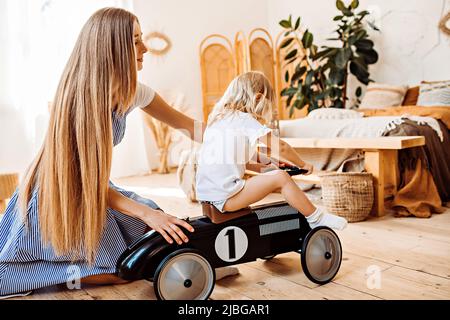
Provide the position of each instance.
(186, 272)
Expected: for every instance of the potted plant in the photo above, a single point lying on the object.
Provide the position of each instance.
(320, 77)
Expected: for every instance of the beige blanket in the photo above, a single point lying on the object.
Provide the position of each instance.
(439, 113)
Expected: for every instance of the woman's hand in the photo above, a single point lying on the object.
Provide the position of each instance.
(166, 225)
(308, 167)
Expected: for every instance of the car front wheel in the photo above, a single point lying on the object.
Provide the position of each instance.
(184, 274)
(321, 255)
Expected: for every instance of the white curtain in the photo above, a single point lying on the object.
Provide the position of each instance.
(36, 39)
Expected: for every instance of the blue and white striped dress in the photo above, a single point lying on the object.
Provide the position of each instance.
(26, 264)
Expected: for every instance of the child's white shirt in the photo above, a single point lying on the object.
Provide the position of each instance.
(228, 144)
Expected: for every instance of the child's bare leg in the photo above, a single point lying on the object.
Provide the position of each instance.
(256, 188)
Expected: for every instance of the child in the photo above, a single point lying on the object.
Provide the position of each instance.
(229, 144)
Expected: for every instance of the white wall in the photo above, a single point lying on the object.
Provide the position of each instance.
(187, 23)
(36, 39)
(410, 45)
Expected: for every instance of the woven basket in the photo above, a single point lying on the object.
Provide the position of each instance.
(348, 194)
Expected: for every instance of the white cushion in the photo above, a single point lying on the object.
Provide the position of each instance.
(379, 96)
(434, 94)
(334, 113)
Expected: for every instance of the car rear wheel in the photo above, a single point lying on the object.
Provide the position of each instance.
(184, 274)
(321, 255)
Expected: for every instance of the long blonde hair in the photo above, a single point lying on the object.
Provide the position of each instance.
(73, 166)
(250, 92)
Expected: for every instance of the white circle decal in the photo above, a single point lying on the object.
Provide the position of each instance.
(231, 244)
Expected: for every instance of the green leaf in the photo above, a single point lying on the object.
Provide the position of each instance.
(285, 24)
(291, 112)
(335, 92)
(289, 100)
(338, 104)
(347, 12)
(358, 92)
(286, 42)
(309, 77)
(361, 63)
(354, 4)
(300, 89)
(297, 23)
(315, 104)
(361, 74)
(300, 103)
(298, 73)
(338, 18)
(322, 95)
(325, 53)
(291, 54)
(360, 34)
(352, 40)
(327, 66)
(311, 108)
(307, 39)
(369, 56)
(342, 57)
(286, 76)
(364, 44)
(313, 50)
(336, 76)
(292, 60)
(363, 13)
(289, 91)
(340, 5)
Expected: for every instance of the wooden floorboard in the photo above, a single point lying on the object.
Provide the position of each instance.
(409, 256)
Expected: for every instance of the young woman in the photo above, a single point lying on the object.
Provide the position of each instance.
(66, 212)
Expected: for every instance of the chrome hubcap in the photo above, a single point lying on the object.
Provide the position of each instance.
(323, 255)
(187, 276)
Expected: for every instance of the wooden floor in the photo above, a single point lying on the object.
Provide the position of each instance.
(383, 258)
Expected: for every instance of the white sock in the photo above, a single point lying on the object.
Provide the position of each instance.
(319, 218)
(226, 272)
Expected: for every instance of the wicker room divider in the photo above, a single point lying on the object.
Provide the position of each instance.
(218, 69)
(221, 61)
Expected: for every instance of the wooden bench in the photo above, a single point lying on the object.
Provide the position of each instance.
(381, 160)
